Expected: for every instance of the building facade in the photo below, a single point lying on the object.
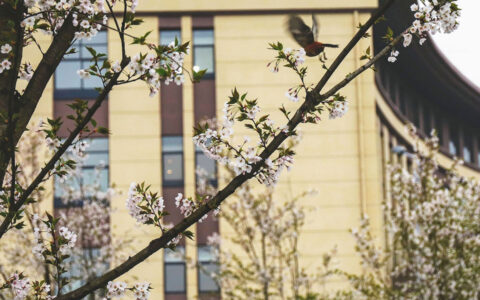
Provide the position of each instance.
(344, 159)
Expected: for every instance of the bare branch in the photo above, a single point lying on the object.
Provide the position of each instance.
(28, 101)
(61, 150)
(10, 15)
(360, 70)
(360, 34)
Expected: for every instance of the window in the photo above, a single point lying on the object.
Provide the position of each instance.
(167, 36)
(174, 271)
(80, 263)
(439, 128)
(415, 113)
(478, 151)
(467, 148)
(427, 120)
(94, 173)
(453, 143)
(172, 160)
(68, 84)
(206, 166)
(208, 265)
(203, 54)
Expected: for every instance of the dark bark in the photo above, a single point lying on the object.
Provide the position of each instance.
(26, 104)
(51, 163)
(11, 15)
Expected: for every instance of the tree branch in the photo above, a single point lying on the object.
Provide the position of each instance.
(162, 242)
(61, 150)
(360, 34)
(10, 15)
(28, 101)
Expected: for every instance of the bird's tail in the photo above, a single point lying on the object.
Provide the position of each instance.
(330, 45)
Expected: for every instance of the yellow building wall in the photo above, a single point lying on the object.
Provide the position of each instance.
(134, 122)
(251, 5)
(44, 109)
(339, 157)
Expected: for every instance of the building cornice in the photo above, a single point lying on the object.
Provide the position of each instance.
(397, 123)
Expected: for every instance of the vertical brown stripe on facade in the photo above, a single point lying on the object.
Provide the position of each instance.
(60, 109)
(171, 106)
(204, 104)
(206, 228)
(174, 217)
(204, 108)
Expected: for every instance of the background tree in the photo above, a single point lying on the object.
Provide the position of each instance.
(433, 242)
(261, 260)
(85, 209)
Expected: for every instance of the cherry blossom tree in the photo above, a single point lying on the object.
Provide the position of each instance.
(432, 231)
(85, 210)
(261, 260)
(264, 159)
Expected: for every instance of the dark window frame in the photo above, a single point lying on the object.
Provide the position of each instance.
(82, 92)
(173, 183)
(208, 75)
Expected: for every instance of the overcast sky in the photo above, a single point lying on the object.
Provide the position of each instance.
(462, 47)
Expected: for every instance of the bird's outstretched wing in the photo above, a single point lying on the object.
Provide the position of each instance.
(300, 31)
(315, 27)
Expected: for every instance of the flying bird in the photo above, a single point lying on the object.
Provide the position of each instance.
(306, 36)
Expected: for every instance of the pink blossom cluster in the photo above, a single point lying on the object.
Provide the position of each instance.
(20, 286)
(141, 291)
(116, 289)
(295, 57)
(187, 206)
(218, 143)
(431, 223)
(133, 203)
(42, 291)
(431, 17)
(434, 17)
(5, 63)
(339, 109)
(52, 15)
(271, 174)
(148, 67)
(70, 237)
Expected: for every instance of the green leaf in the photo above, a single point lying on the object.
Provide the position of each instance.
(136, 21)
(103, 130)
(198, 75)
(188, 234)
(92, 51)
(141, 40)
